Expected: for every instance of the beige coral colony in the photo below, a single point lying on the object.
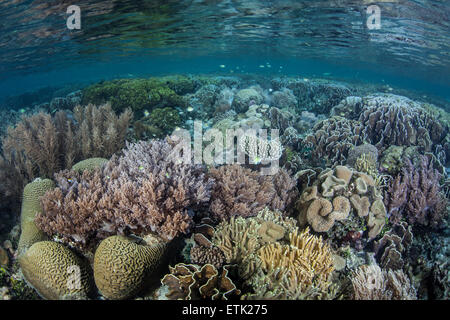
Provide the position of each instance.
(224, 150)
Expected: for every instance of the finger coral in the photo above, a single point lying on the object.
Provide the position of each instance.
(243, 192)
(56, 272)
(300, 269)
(122, 267)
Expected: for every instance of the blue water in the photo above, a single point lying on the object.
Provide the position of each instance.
(320, 39)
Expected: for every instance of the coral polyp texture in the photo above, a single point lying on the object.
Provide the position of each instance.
(56, 272)
(31, 207)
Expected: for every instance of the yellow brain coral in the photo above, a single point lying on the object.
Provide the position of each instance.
(122, 267)
(56, 272)
(30, 207)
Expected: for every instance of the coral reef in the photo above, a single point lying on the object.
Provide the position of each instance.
(56, 272)
(160, 122)
(337, 192)
(373, 283)
(190, 282)
(245, 98)
(122, 267)
(139, 94)
(243, 192)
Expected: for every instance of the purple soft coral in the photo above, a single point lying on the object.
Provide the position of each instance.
(415, 195)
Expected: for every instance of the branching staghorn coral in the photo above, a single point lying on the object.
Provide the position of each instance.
(372, 283)
(41, 145)
(137, 193)
(243, 192)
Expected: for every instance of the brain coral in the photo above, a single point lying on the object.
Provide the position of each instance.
(122, 267)
(335, 194)
(56, 272)
(30, 207)
(89, 164)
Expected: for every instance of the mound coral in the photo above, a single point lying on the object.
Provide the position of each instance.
(140, 192)
(372, 283)
(395, 120)
(190, 282)
(160, 122)
(245, 98)
(415, 195)
(333, 196)
(56, 272)
(243, 192)
(31, 207)
(122, 267)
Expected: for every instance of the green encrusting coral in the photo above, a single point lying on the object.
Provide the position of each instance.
(89, 164)
(56, 272)
(30, 207)
(140, 94)
(160, 122)
(122, 267)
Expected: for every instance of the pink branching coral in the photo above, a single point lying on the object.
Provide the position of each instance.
(242, 192)
(138, 193)
(415, 195)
